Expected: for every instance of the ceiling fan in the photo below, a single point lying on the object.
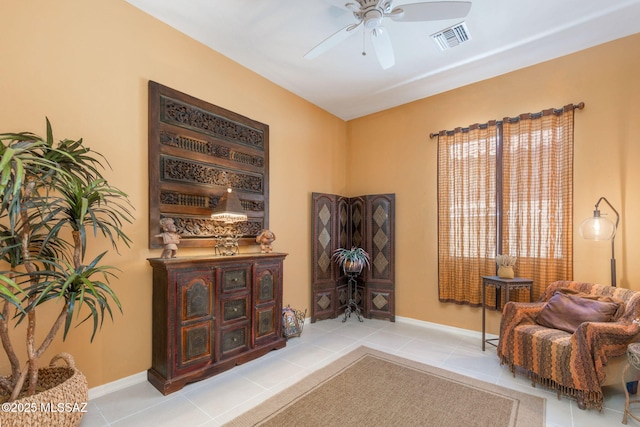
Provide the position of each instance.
(370, 14)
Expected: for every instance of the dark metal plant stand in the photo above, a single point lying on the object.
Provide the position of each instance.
(352, 305)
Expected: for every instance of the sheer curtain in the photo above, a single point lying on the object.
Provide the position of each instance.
(537, 192)
(466, 212)
(505, 187)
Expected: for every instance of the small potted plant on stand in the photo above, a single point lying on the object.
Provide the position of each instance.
(351, 260)
(51, 197)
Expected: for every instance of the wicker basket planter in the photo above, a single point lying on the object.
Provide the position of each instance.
(62, 403)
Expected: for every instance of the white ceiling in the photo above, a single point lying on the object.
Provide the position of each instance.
(271, 37)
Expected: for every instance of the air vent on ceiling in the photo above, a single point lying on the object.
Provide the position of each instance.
(452, 36)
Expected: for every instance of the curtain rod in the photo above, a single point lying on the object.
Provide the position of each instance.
(578, 106)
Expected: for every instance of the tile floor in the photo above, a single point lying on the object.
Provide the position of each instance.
(216, 400)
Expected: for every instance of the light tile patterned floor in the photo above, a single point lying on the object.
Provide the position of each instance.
(216, 400)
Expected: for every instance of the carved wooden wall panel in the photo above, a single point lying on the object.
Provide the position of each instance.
(196, 151)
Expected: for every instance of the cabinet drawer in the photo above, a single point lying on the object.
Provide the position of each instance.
(235, 309)
(234, 341)
(235, 279)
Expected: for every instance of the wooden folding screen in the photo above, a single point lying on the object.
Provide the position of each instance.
(363, 221)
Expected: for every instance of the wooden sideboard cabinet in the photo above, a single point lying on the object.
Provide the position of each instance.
(213, 313)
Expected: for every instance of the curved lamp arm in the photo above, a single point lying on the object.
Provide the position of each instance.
(598, 228)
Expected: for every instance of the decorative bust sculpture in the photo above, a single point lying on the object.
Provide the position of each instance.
(265, 239)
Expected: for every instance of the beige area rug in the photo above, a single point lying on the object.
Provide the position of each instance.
(369, 387)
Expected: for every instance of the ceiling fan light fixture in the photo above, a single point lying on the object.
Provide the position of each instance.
(371, 14)
(452, 36)
(372, 19)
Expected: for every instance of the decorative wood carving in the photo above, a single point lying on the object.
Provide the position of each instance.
(196, 151)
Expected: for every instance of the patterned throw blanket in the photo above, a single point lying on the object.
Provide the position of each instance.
(571, 364)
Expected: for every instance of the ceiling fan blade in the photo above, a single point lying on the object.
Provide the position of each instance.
(382, 47)
(431, 11)
(350, 5)
(332, 41)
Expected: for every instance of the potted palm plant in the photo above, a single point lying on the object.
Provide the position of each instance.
(53, 200)
(351, 260)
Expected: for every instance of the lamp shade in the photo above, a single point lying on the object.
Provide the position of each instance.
(597, 228)
(229, 209)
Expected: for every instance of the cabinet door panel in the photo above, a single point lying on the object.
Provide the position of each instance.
(195, 316)
(267, 321)
(195, 294)
(268, 298)
(266, 287)
(196, 344)
(266, 291)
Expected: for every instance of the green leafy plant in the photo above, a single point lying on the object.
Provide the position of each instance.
(351, 260)
(51, 196)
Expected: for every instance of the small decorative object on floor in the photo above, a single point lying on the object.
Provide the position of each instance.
(170, 238)
(265, 239)
(292, 322)
(505, 266)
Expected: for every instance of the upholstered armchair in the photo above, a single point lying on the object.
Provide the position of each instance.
(573, 339)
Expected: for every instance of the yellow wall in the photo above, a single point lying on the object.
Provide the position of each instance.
(391, 151)
(86, 65)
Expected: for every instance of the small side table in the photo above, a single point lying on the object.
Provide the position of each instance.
(499, 283)
(633, 359)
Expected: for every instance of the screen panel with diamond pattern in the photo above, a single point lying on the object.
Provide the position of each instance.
(363, 221)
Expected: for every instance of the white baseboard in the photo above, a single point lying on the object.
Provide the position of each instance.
(431, 325)
(141, 377)
(117, 385)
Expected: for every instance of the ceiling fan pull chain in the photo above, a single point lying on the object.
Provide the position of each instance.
(364, 53)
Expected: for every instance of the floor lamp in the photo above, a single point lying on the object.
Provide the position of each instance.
(601, 228)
